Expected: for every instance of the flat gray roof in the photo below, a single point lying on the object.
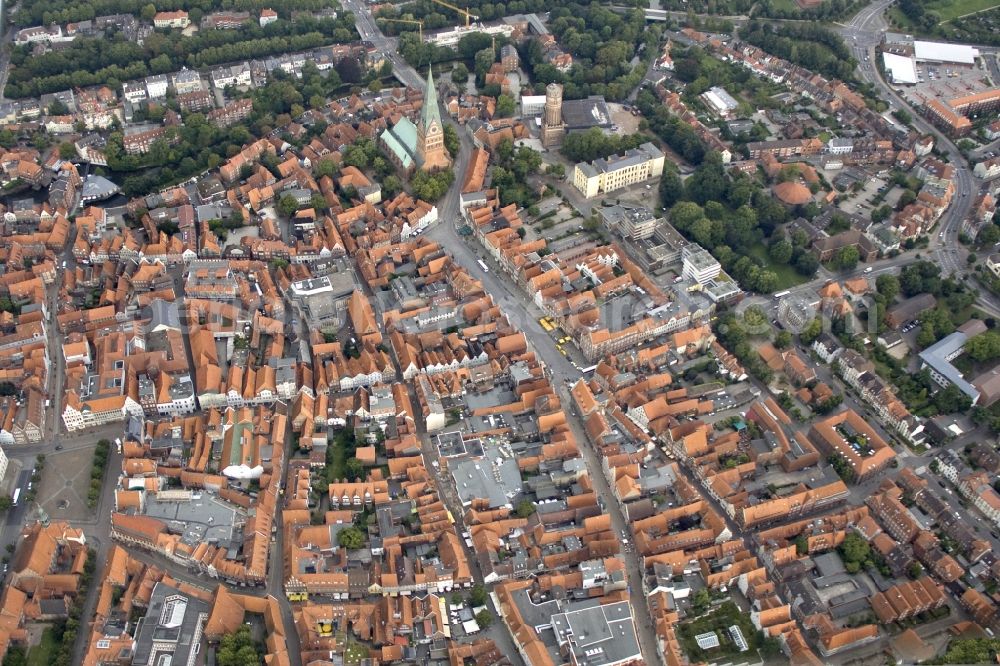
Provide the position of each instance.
(204, 518)
(494, 477)
(602, 634)
(938, 357)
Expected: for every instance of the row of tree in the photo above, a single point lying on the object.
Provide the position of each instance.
(103, 61)
(806, 44)
(593, 144)
(47, 12)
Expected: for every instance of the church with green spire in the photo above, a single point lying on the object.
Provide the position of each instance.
(419, 147)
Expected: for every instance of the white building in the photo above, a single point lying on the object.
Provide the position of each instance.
(699, 265)
(134, 91)
(187, 81)
(837, 146)
(954, 54)
(720, 102)
(616, 172)
(267, 16)
(178, 19)
(3, 465)
(452, 37)
(988, 169)
(182, 397)
(89, 414)
(993, 263)
(234, 75)
(532, 105)
(156, 86)
(900, 69)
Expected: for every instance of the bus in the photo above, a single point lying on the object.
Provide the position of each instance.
(15, 497)
(781, 294)
(482, 264)
(588, 369)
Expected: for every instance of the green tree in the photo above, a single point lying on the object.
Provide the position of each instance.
(58, 108)
(984, 347)
(525, 508)
(988, 235)
(484, 619)
(951, 400)
(431, 187)
(148, 12)
(237, 649)
(671, 188)
(505, 106)
(685, 214)
(287, 205)
(887, 286)
(478, 595)
(782, 340)
(484, 60)
(927, 335)
(854, 550)
(846, 258)
(781, 251)
(5, 502)
(67, 150)
(355, 469)
(325, 167)
(15, 656)
(460, 74)
(701, 600)
(391, 186)
(811, 331)
(451, 141)
(351, 538)
(915, 571)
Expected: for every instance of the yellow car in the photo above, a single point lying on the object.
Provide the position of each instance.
(562, 351)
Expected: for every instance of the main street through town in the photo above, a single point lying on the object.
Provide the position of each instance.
(525, 317)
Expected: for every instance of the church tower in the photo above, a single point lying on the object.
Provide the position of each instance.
(431, 153)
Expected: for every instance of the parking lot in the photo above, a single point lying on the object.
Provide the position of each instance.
(945, 82)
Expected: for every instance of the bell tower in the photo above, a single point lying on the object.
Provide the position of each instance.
(431, 153)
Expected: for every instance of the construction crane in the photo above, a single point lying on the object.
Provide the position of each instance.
(464, 12)
(419, 24)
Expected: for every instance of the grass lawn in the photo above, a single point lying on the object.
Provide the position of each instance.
(43, 653)
(787, 276)
(355, 652)
(946, 9)
(785, 5)
(955, 8)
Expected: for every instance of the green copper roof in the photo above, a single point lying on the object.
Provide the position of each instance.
(431, 113)
(402, 141)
